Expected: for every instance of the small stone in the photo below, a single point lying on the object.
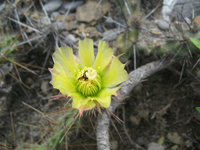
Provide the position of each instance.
(99, 28)
(188, 144)
(59, 25)
(66, 18)
(73, 5)
(155, 146)
(71, 39)
(174, 137)
(82, 27)
(113, 145)
(135, 120)
(52, 5)
(90, 11)
(156, 32)
(54, 14)
(44, 86)
(163, 25)
(91, 32)
(29, 81)
(110, 34)
(2, 6)
(197, 20)
(71, 25)
(109, 22)
(34, 135)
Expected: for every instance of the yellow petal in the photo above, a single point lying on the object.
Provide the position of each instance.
(77, 98)
(115, 74)
(64, 57)
(61, 81)
(86, 52)
(103, 57)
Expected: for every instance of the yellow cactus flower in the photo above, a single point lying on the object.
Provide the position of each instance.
(89, 81)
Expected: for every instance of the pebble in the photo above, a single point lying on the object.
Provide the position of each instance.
(113, 145)
(59, 25)
(73, 5)
(90, 12)
(52, 5)
(197, 20)
(2, 5)
(110, 34)
(163, 25)
(54, 14)
(174, 137)
(135, 120)
(71, 39)
(44, 86)
(155, 146)
(109, 22)
(99, 28)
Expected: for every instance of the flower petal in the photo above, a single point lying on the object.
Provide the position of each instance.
(64, 57)
(86, 52)
(115, 74)
(103, 57)
(104, 96)
(61, 81)
(77, 98)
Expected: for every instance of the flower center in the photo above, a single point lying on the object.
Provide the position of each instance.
(88, 81)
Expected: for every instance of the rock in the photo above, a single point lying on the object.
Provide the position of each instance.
(180, 9)
(2, 6)
(155, 146)
(135, 120)
(111, 34)
(58, 25)
(34, 135)
(163, 25)
(174, 137)
(44, 86)
(113, 145)
(73, 5)
(188, 144)
(91, 11)
(7, 67)
(71, 25)
(99, 28)
(109, 22)
(53, 5)
(54, 14)
(71, 39)
(91, 32)
(61, 17)
(82, 27)
(167, 9)
(197, 20)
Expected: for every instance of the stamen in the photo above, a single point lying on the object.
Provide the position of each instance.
(88, 81)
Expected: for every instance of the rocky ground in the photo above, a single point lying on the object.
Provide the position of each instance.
(160, 113)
